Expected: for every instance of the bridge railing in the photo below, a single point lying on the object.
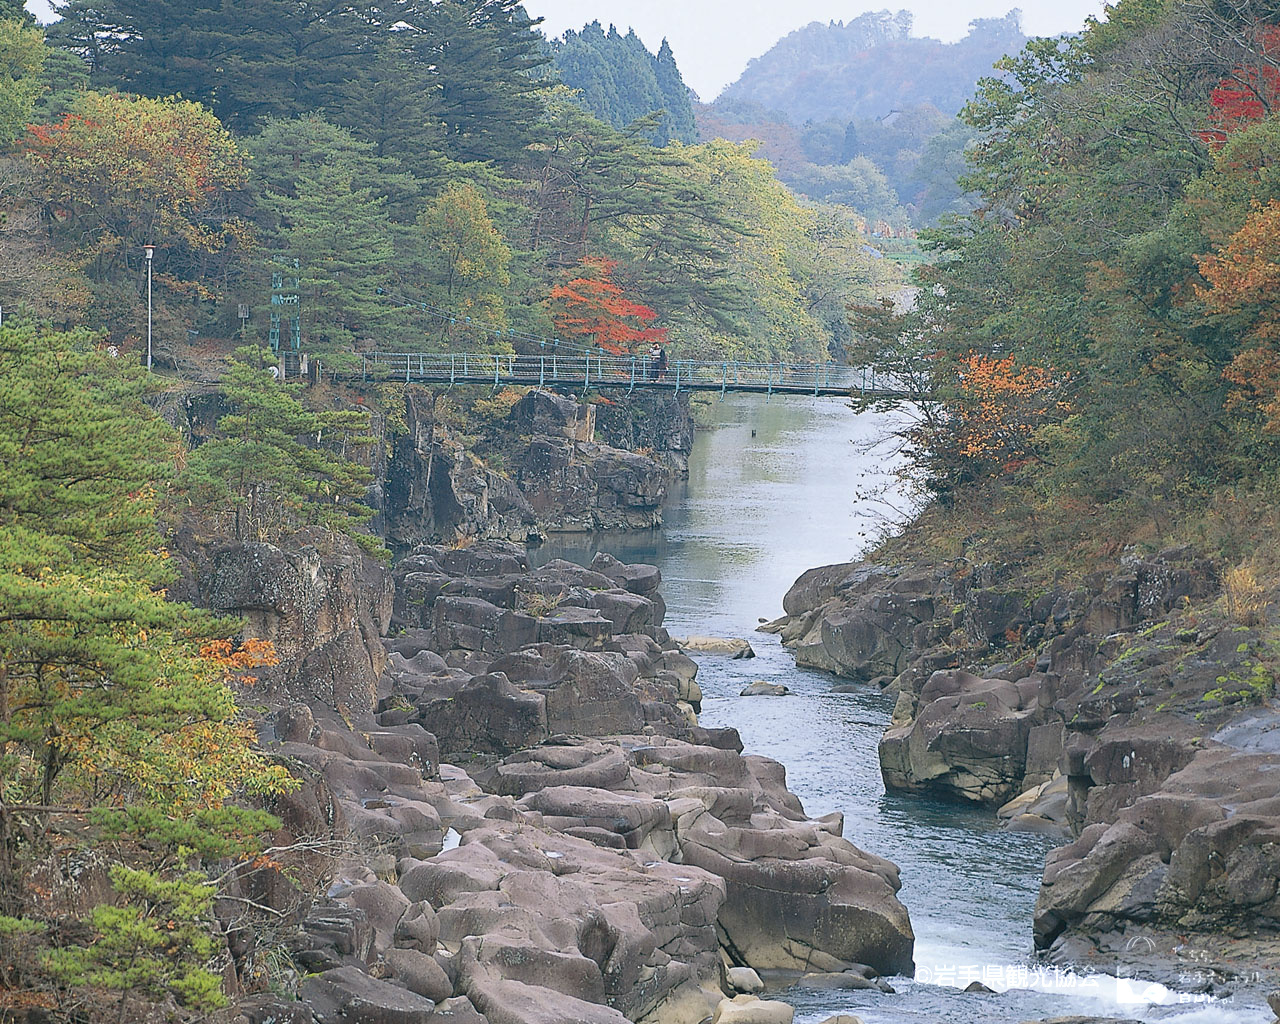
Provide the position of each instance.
(604, 370)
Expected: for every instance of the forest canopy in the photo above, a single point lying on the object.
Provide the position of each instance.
(395, 163)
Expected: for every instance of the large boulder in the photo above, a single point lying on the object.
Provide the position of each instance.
(749, 1009)
(579, 485)
(546, 412)
(487, 715)
(587, 693)
(1201, 853)
(324, 612)
(473, 624)
(348, 996)
(968, 739)
(785, 910)
(532, 912)
(856, 620)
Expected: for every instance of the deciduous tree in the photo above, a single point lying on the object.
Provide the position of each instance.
(118, 173)
(464, 258)
(1243, 282)
(22, 57)
(592, 307)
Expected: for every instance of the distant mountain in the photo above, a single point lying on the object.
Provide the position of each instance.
(864, 114)
(619, 80)
(871, 66)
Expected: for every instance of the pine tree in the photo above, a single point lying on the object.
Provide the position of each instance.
(15, 10)
(274, 466)
(484, 53)
(662, 217)
(341, 239)
(106, 696)
(154, 943)
(246, 59)
(287, 149)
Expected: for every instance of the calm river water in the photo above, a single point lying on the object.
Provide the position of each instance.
(773, 490)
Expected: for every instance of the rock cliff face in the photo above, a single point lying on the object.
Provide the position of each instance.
(322, 602)
(554, 476)
(536, 828)
(551, 464)
(1129, 716)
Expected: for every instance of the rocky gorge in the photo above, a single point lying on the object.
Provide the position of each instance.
(515, 756)
(1128, 717)
(524, 820)
(513, 465)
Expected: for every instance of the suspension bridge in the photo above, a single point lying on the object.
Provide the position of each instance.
(582, 371)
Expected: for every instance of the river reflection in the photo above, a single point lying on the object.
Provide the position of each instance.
(772, 491)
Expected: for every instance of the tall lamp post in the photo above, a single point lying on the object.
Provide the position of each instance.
(150, 251)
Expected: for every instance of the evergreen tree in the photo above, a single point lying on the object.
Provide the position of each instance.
(65, 77)
(677, 104)
(277, 465)
(620, 81)
(483, 54)
(155, 943)
(15, 10)
(106, 695)
(341, 239)
(601, 190)
(395, 105)
(246, 59)
(330, 203)
(289, 149)
(851, 147)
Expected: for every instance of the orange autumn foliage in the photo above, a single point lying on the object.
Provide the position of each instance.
(252, 653)
(1244, 279)
(1001, 405)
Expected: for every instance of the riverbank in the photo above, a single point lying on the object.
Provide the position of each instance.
(1126, 713)
(970, 884)
(533, 826)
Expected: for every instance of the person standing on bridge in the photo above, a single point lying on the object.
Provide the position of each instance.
(660, 363)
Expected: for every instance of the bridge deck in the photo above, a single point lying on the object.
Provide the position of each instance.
(630, 372)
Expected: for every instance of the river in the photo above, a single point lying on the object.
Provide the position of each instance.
(779, 487)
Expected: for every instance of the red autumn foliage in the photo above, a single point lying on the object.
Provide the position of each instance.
(1248, 94)
(593, 306)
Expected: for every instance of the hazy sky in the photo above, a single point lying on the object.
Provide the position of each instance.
(714, 39)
